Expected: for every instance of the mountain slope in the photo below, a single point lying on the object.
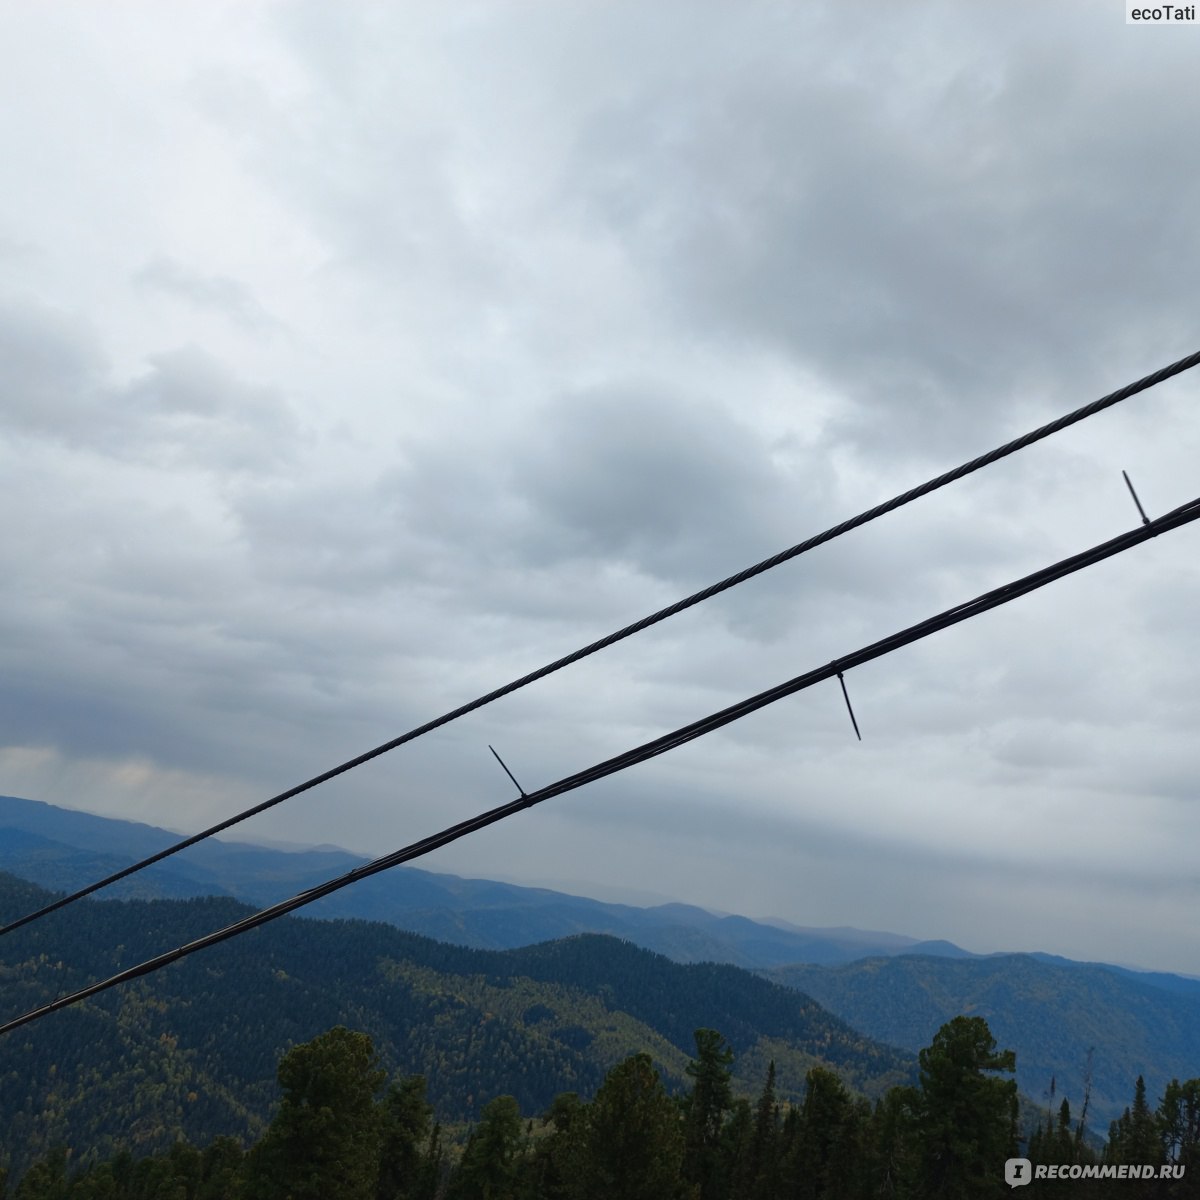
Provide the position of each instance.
(1050, 1017)
(473, 912)
(192, 1049)
(1053, 1015)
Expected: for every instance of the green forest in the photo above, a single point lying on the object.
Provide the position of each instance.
(349, 1058)
(191, 1051)
(342, 1129)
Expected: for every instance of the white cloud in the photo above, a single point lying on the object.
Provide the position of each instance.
(354, 360)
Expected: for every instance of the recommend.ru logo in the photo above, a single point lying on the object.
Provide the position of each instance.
(1018, 1172)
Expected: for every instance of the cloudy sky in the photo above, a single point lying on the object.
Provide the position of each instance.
(358, 358)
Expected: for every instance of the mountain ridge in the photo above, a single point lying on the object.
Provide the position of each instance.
(1043, 1002)
(1064, 1019)
(190, 1050)
(485, 914)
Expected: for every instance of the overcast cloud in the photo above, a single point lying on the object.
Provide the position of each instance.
(357, 358)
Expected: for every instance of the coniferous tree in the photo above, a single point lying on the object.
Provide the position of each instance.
(435, 1169)
(1118, 1133)
(404, 1135)
(758, 1171)
(1142, 1144)
(706, 1108)
(492, 1159)
(825, 1148)
(632, 1144)
(1065, 1141)
(47, 1178)
(1179, 1124)
(1178, 1120)
(733, 1146)
(966, 1119)
(325, 1139)
(553, 1165)
(186, 1165)
(894, 1142)
(1135, 1136)
(221, 1165)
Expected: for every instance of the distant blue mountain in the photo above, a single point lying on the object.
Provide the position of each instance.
(1184, 985)
(36, 857)
(1063, 1018)
(64, 850)
(894, 988)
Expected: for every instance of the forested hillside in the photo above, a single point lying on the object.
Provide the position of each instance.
(1063, 1019)
(342, 1130)
(191, 1051)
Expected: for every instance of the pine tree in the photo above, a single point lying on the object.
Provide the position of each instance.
(891, 1159)
(632, 1144)
(825, 1148)
(711, 1099)
(1178, 1120)
(1065, 1147)
(404, 1134)
(966, 1119)
(1142, 1145)
(733, 1148)
(492, 1159)
(1179, 1123)
(325, 1139)
(1135, 1136)
(554, 1164)
(758, 1172)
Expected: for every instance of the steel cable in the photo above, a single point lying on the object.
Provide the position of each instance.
(661, 745)
(767, 564)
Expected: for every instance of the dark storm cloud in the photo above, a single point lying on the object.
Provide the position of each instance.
(676, 490)
(433, 516)
(627, 479)
(588, 306)
(128, 608)
(1000, 230)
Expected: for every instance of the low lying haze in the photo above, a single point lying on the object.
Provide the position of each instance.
(358, 358)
